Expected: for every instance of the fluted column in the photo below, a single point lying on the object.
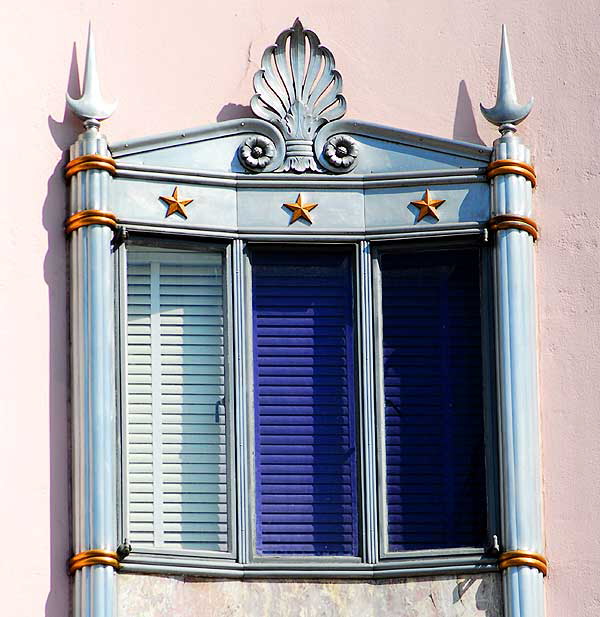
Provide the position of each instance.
(515, 309)
(93, 400)
(90, 227)
(512, 181)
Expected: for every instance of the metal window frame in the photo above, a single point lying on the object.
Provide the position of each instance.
(174, 243)
(294, 562)
(482, 555)
(373, 561)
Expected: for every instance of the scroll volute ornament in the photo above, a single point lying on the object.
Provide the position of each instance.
(298, 90)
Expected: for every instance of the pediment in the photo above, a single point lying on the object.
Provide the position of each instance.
(239, 174)
(380, 150)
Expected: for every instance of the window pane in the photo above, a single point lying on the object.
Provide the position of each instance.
(433, 399)
(304, 403)
(176, 420)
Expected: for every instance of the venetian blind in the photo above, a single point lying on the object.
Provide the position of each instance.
(433, 400)
(176, 418)
(304, 403)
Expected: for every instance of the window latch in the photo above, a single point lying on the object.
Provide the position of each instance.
(493, 549)
(123, 549)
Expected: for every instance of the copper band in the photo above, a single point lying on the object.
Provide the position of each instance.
(514, 221)
(508, 166)
(90, 161)
(90, 217)
(502, 162)
(523, 558)
(94, 557)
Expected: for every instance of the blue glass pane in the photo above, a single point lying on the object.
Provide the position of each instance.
(433, 400)
(304, 403)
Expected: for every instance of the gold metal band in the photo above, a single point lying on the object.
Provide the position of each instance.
(94, 557)
(509, 166)
(90, 161)
(90, 217)
(514, 221)
(523, 558)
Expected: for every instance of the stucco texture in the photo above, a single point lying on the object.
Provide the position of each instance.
(152, 596)
(421, 66)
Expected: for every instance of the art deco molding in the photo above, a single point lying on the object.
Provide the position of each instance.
(238, 167)
(298, 90)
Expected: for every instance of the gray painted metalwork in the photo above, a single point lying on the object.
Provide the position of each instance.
(93, 387)
(452, 151)
(367, 420)
(93, 360)
(377, 234)
(256, 152)
(341, 152)
(211, 151)
(416, 566)
(241, 398)
(298, 90)
(345, 207)
(91, 108)
(515, 309)
(507, 111)
(384, 180)
(367, 205)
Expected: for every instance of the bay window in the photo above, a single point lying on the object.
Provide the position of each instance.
(301, 495)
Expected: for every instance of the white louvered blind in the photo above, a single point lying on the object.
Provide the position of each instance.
(176, 416)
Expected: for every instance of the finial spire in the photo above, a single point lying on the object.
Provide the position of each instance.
(507, 112)
(91, 108)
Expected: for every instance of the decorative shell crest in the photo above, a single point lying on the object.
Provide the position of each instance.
(298, 90)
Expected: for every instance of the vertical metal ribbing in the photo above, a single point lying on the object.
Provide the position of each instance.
(155, 338)
(368, 419)
(93, 386)
(241, 408)
(517, 386)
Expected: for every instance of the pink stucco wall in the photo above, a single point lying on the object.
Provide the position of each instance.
(422, 66)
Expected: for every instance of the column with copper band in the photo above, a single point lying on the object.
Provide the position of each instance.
(522, 563)
(90, 228)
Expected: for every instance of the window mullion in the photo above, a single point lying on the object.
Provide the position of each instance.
(368, 419)
(240, 395)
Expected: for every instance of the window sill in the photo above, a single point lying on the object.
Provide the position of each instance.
(459, 561)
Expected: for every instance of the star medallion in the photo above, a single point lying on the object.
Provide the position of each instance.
(427, 206)
(300, 210)
(175, 204)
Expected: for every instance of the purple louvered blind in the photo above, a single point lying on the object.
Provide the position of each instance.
(433, 394)
(304, 403)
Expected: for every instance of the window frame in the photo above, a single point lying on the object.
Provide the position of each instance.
(373, 561)
(255, 557)
(180, 244)
(487, 379)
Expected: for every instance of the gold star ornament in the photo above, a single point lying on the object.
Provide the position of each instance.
(300, 210)
(175, 204)
(427, 206)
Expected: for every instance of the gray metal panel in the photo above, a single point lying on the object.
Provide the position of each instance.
(379, 156)
(211, 147)
(391, 208)
(139, 200)
(264, 210)
(398, 140)
(381, 149)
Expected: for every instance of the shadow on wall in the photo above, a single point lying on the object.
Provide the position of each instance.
(64, 133)
(231, 111)
(488, 595)
(465, 126)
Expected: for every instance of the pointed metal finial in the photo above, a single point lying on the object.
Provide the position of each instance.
(91, 108)
(507, 112)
